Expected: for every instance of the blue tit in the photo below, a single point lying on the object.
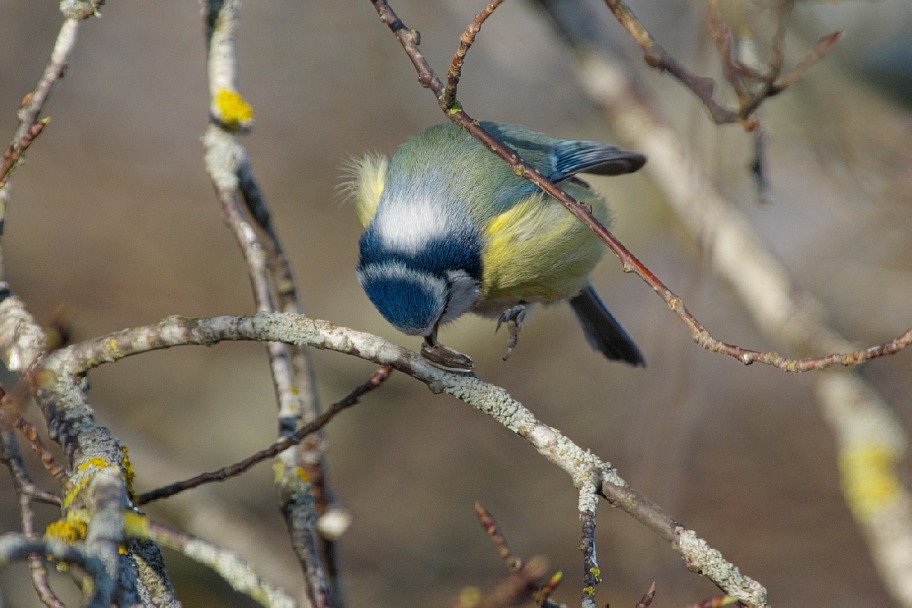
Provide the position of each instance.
(451, 229)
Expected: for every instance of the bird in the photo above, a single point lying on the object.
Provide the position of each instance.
(449, 229)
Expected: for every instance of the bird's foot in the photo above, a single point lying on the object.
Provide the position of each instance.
(514, 318)
(445, 357)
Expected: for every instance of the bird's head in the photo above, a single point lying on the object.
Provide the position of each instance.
(416, 301)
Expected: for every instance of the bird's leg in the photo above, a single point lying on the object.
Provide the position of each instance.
(514, 318)
(444, 356)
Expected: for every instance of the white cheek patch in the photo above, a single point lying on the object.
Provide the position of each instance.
(408, 227)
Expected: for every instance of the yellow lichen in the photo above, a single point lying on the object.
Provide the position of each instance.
(70, 530)
(469, 596)
(128, 471)
(136, 525)
(869, 478)
(75, 489)
(233, 111)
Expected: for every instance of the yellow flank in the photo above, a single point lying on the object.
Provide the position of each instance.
(869, 479)
(368, 175)
(538, 252)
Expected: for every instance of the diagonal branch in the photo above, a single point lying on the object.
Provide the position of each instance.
(409, 39)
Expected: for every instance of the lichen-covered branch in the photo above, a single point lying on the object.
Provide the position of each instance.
(580, 464)
(245, 209)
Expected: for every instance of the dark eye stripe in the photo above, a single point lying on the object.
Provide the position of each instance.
(438, 257)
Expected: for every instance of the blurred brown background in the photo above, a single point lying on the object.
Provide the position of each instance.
(113, 220)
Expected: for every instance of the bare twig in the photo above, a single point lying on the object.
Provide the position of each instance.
(15, 151)
(515, 563)
(37, 445)
(646, 600)
(15, 547)
(820, 50)
(376, 379)
(448, 99)
(519, 586)
(491, 528)
(751, 88)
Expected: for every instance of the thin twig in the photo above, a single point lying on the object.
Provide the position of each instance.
(721, 35)
(16, 546)
(232, 470)
(515, 563)
(37, 445)
(15, 151)
(489, 524)
(516, 588)
(646, 599)
(820, 50)
(448, 99)
(750, 87)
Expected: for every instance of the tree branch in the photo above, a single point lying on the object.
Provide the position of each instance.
(76, 359)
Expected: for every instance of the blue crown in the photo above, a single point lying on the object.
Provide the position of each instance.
(411, 301)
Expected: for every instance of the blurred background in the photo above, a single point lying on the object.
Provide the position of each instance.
(113, 223)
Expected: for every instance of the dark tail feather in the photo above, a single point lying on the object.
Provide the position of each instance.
(602, 330)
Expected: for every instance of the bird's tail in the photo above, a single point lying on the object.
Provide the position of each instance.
(602, 330)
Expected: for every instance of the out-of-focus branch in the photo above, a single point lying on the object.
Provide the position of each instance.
(750, 86)
(236, 572)
(245, 208)
(871, 440)
(542, 592)
(578, 463)
(514, 590)
(14, 547)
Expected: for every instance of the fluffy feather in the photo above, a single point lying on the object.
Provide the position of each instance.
(366, 177)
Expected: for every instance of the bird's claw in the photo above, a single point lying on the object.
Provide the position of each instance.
(514, 318)
(445, 357)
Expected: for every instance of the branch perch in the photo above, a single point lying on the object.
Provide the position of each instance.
(75, 360)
